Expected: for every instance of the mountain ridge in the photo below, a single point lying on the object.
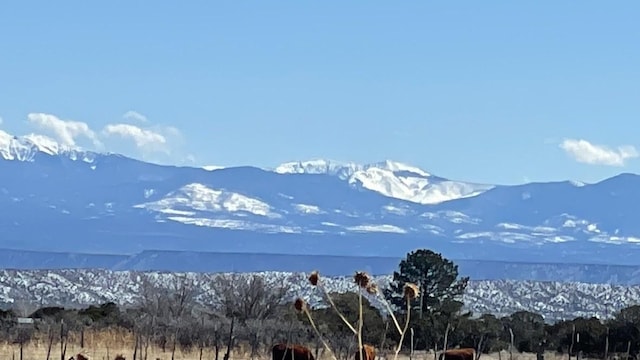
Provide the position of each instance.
(331, 265)
(52, 199)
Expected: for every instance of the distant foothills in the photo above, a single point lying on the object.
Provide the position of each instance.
(207, 262)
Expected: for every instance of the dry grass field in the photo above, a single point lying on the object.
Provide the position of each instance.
(101, 345)
(105, 345)
(39, 352)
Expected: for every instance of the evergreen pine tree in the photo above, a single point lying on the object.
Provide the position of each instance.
(440, 287)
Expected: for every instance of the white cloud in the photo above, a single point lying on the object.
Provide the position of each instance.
(145, 140)
(153, 143)
(134, 115)
(585, 152)
(64, 131)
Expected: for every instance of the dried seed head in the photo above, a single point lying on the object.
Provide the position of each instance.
(411, 291)
(362, 279)
(314, 278)
(299, 304)
(372, 288)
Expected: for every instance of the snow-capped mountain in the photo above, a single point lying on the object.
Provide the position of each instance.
(26, 148)
(57, 198)
(389, 178)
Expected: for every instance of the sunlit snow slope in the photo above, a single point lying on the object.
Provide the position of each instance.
(389, 178)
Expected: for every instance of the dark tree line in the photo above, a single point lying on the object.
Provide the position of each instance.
(245, 312)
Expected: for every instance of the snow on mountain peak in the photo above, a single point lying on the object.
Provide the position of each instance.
(390, 178)
(343, 169)
(319, 166)
(418, 189)
(25, 148)
(46, 144)
(212, 167)
(395, 166)
(577, 183)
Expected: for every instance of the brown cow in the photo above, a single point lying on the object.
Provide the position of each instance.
(369, 352)
(459, 354)
(291, 352)
(120, 357)
(81, 357)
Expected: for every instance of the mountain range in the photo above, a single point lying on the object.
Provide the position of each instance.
(56, 198)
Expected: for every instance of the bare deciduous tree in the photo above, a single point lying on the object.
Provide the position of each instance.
(255, 335)
(217, 329)
(246, 297)
(181, 295)
(153, 310)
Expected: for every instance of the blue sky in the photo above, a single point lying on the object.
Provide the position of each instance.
(491, 91)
